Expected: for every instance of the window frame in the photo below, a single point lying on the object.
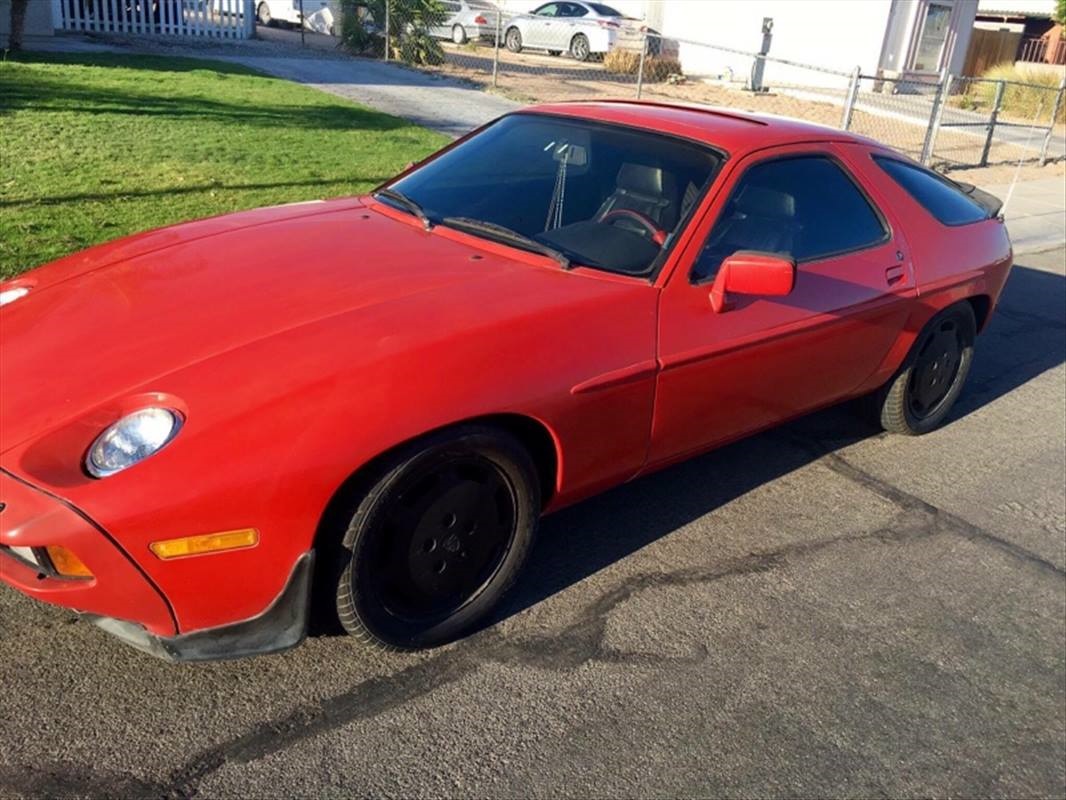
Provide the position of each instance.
(886, 225)
(877, 158)
(693, 217)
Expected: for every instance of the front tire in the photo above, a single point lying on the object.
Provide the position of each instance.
(262, 13)
(438, 540)
(923, 391)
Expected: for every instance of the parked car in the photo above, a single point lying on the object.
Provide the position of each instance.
(380, 396)
(318, 15)
(578, 28)
(466, 20)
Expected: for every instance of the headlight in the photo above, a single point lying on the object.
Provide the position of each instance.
(133, 438)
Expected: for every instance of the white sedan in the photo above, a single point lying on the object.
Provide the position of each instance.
(579, 28)
(318, 15)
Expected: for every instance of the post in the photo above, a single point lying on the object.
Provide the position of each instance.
(387, 4)
(996, 104)
(935, 115)
(850, 98)
(496, 50)
(248, 20)
(303, 25)
(1055, 108)
(640, 67)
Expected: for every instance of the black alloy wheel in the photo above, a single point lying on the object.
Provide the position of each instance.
(922, 392)
(439, 539)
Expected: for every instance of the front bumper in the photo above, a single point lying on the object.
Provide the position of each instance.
(32, 518)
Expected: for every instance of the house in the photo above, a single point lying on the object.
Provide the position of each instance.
(1023, 30)
(911, 39)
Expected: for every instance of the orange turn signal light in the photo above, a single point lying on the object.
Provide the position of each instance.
(205, 543)
(66, 563)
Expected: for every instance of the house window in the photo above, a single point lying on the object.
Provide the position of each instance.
(934, 35)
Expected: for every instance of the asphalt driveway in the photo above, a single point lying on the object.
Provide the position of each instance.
(818, 611)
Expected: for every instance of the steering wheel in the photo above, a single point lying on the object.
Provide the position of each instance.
(654, 232)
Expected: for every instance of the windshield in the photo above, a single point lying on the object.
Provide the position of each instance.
(603, 196)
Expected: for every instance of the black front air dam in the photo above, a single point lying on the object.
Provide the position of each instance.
(281, 626)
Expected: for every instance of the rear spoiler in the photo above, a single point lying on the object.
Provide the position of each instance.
(989, 202)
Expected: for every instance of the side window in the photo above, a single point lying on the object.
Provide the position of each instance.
(936, 195)
(806, 207)
(548, 10)
(574, 10)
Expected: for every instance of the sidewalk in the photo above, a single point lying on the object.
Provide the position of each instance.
(442, 104)
(1036, 213)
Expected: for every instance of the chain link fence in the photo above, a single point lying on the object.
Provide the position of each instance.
(949, 122)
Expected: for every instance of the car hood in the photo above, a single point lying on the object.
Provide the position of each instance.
(119, 316)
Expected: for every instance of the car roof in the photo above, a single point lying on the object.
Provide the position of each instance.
(733, 131)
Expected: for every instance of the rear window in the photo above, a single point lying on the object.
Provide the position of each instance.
(604, 11)
(937, 195)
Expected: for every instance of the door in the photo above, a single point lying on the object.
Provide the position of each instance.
(540, 29)
(572, 20)
(767, 359)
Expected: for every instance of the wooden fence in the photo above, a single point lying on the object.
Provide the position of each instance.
(988, 48)
(213, 19)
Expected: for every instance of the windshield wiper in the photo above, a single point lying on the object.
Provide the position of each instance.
(506, 235)
(408, 203)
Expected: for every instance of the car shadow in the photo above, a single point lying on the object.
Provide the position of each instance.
(1026, 337)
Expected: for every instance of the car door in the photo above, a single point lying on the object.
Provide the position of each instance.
(767, 359)
(572, 18)
(541, 26)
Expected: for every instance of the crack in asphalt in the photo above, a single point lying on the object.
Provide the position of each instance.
(585, 640)
(910, 502)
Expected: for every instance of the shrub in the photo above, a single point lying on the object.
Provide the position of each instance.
(661, 68)
(627, 62)
(359, 35)
(1021, 102)
(363, 23)
(622, 62)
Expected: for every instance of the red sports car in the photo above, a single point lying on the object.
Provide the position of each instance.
(379, 396)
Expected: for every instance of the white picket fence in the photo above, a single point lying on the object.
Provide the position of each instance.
(215, 19)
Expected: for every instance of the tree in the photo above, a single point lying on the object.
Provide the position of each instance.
(18, 23)
(1060, 12)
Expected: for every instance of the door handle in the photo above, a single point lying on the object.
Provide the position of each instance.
(894, 274)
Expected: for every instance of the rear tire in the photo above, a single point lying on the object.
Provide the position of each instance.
(438, 539)
(459, 34)
(579, 47)
(921, 394)
(513, 40)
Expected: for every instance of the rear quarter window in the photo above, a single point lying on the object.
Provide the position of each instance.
(935, 194)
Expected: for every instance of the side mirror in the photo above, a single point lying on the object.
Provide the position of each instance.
(749, 272)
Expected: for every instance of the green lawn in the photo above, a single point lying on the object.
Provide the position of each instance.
(93, 147)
